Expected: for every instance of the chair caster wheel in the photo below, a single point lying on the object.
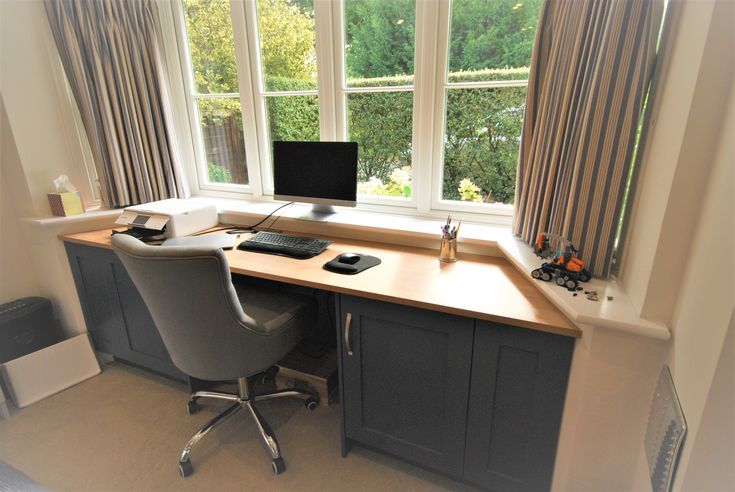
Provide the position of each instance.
(192, 407)
(279, 466)
(311, 403)
(185, 468)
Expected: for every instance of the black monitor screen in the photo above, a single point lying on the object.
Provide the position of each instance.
(315, 172)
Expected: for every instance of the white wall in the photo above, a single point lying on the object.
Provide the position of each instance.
(39, 142)
(706, 301)
(711, 464)
(16, 270)
(688, 112)
(37, 105)
(678, 267)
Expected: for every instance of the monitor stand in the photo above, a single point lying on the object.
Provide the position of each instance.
(319, 213)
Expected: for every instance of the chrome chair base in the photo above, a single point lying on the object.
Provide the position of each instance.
(244, 399)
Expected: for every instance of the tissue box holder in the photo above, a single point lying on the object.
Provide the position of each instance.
(65, 204)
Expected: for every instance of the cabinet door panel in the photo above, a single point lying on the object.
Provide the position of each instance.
(116, 315)
(407, 382)
(142, 343)
(141, 332)
(519, 380)
(91, 271)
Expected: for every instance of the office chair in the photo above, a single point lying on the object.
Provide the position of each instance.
(216, 330)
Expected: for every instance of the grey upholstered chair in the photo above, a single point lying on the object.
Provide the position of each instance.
(216, 330)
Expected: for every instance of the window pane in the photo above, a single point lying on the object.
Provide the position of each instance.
(224, 147)
(287, 44)
(211, 45)
(293, 117)
(381, 124)
(379, 42)
(492, 39)
(483, 131)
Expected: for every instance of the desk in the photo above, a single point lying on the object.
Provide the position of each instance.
(459, 367)
(480, 287)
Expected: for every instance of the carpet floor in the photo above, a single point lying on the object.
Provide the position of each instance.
(124, 430)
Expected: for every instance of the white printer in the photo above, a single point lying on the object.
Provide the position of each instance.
(178, 217)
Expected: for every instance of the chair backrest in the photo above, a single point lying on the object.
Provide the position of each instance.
(189, 293)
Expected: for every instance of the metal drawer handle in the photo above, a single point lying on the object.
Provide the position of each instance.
(348, 323)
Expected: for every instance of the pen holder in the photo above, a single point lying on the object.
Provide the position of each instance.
(448, 250)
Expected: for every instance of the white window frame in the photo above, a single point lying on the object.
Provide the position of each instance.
(440, 104)
(343, 91)
(430, 88)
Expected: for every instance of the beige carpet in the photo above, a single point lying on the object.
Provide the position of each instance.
(124, 430)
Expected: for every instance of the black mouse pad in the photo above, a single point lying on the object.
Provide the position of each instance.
(365, 262)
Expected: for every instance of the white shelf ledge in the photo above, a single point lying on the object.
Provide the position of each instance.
(618, 313)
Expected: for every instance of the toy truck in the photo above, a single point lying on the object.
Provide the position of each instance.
(565, 268)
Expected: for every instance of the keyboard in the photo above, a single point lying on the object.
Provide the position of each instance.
(281, 244)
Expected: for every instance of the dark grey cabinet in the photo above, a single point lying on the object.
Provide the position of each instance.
(519, 379)
(117, 318)
(405, 377)
(479, 401)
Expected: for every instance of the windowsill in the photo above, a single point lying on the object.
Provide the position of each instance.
(617, 314)
(92, 214)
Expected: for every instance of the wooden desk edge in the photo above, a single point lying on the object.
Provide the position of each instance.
(101, 239)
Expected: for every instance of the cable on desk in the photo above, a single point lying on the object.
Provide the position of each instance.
(272, 223)
(241, 230)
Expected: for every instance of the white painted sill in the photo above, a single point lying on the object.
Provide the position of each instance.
(617, 313)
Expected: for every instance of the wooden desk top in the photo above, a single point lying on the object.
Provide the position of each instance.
(481, 287)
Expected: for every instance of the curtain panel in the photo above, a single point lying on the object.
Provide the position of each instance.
(112, 53)
(590, 71)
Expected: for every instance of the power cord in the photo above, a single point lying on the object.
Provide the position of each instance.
(242, 230)
(274, 222)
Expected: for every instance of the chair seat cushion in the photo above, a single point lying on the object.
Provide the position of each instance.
(268, 310)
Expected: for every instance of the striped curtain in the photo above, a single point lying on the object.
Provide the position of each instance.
(112, 54)
(590, 72)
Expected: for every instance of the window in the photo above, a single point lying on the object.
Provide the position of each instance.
(490, 46)
(378, 85)
(433, 92)
(213, 89)
(287, 86)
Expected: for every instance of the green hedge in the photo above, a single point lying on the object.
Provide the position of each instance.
(482, 128)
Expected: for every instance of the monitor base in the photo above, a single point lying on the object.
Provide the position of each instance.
(319, 213)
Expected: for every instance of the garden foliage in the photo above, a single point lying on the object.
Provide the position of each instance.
(482, 125)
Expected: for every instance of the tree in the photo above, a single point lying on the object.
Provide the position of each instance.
(287, 40)
(482, 125)
(212, 45)
(492, 33)
(380, 37)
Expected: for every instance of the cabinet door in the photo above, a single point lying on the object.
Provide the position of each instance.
(141, 343)
(116, 316)
(406, 382)
(91, 270)
(519, 381)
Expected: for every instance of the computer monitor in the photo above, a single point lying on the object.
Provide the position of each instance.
(321, 173)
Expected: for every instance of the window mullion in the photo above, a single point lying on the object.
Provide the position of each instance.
(326, 62)
(247, 51)
(427, 16)
(338, 68)
(441, 55)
